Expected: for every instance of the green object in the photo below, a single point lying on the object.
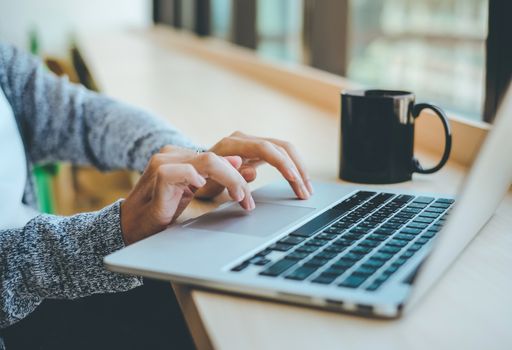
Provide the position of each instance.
(34, 41)
(43, 176)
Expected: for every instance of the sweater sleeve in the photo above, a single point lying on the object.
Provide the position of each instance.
(61, 121)
(59, 257)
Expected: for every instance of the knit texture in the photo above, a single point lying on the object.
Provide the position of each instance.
(62, 257)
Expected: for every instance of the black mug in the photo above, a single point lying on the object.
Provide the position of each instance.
(377, 136)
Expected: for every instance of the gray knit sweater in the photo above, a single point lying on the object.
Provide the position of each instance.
(61, 257)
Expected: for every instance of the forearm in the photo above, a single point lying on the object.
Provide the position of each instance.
(58, 257)
(61, 121)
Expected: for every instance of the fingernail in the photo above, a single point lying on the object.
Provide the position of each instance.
(202, 181)
(252, 205)
(310, 187)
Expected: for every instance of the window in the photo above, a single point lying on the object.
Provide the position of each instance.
(220, 12)
(279, 28)
(448, 52)
(435, 48)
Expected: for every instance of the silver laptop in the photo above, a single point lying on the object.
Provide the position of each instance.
(346, 249)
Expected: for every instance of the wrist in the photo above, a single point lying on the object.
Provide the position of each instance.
(127, 223)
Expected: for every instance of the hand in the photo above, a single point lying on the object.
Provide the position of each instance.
(168, 184)
(254, 151)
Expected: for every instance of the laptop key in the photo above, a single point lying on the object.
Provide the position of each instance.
(377, 237)
(417, 205)
(297, 255)
(301, 273)
(373, 263)
(364, 271)
(403, 198)
(324, 279)
(422, 199)
(415, 224)
(307, 248)
(374, 286)
(353, 281)
(399, 262)
(384, 231)
(424, 219)
(421, 240)
(335, 248)
(327, 236)
(240, 267)
(407, 254)
(316, 262)
(435, 228)
(397, 243)
(390, 270)
(264, 252)
(352, 236)
(369, 243)
(429, 234)
(293, 240)
(411, 210)
(382, 256)
(325, 255)
(281, 247)
(258, 260)
(445, 200)
(361, 250)
(334, 271)
(344, 263)
(410, 230)
(434, 210)
(427, 214)
(439, 205)
(392, 226)
(317, 242)
(262, 262)
(404, 236)
(415, 247)
(304, 234)
(352, 256)
(389, 249)
(278, 268)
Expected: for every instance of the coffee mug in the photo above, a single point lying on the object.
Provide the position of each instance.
(377, 136)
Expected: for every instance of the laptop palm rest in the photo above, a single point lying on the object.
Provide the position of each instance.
(266, 219)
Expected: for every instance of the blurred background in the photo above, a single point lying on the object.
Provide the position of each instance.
(436, 48)
(455, 53)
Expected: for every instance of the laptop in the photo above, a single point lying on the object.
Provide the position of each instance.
(348, 249)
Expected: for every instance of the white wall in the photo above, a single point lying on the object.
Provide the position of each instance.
(56, 20)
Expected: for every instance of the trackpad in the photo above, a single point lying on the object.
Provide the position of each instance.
(266, 219)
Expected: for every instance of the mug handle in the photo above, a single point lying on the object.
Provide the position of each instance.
(416, 166)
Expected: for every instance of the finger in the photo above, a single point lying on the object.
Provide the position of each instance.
(212, 166)
(235, 161)
(213, 188)
(172, 176)
(297, 159)
(298, 184)
(184, 201)
(253, 148)
(248, 172)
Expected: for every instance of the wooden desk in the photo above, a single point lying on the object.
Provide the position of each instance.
(471, 308)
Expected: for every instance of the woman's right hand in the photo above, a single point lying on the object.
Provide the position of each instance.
(168, 184)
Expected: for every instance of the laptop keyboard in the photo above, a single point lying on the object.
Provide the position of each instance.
(359, 243)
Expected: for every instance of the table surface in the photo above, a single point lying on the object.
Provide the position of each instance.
(470, 308)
